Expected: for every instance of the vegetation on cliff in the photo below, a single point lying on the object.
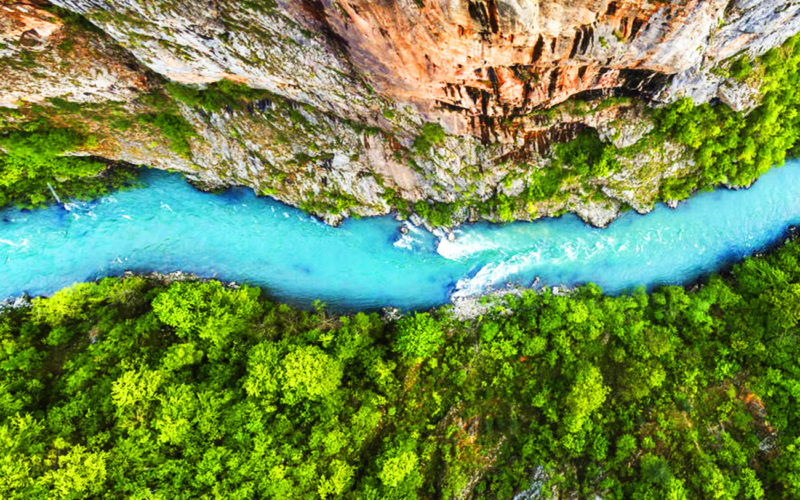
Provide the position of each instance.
(228, 133)
(133, 387)
(730, 147)
(32, 159)
(724, 147)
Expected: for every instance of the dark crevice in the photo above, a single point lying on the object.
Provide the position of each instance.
(637, 25)
(524, 74)
(485, 102)
(576, 42)
(260, 106)
(623, 28)
(521, 72)
(602, 72)
(588, 36)
(599, 94)
(495, 83)
(474, 94)
(612, 9)
(455, 91)
(477, 11)
(494, 22)
(452, 107)
(526, 94)
(582, 72)
(551, 88)
(487, 128)
(537, 50)
(643, 82)
(729, 9)
(316, 10)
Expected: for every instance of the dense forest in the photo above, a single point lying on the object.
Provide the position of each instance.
(139, 387)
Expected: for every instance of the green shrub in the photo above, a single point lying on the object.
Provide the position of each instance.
(34, 156)
(740, 69)
(215, 96)
(431, 134)
(418, 336)
(175, 128)
(586, 156)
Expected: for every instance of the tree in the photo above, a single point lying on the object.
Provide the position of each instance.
(207, 310)
(310, 373)
(264, 370)
(418, 336)
(399, 473)
(585, 396)
(80, 473)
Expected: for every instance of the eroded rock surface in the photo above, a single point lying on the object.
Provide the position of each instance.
(358, 78)
(42, 58)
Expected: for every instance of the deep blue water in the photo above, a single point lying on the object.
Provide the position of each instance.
(168, 225)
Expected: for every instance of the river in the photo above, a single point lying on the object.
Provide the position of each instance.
(167, 225)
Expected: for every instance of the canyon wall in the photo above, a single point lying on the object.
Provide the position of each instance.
(353, 83)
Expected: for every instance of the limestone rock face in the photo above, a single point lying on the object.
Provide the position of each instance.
(362, 76)
(41, 58)
(285, 48)
(466, 63)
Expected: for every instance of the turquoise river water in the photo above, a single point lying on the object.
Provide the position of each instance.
(168, 225)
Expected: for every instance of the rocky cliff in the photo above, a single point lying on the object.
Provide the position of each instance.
(363, 106)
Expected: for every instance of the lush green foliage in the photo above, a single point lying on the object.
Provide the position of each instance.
(419, 336)
(733, 148)
(586, 155)
(215, 96)
(132, 388)
(431, 134)
(741, 68)
(437, 213)
(175, 128)
(33, 156)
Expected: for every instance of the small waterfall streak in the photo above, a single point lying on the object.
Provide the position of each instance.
(55, 195)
